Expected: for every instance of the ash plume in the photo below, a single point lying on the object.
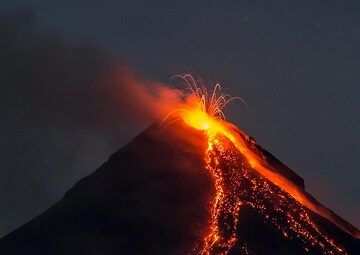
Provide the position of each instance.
(63, 97)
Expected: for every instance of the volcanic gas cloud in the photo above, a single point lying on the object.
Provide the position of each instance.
(242, 176)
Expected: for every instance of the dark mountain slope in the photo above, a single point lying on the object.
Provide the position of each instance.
(150, 197)
(153, 197)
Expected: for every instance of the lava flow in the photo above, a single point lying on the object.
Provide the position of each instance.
(242, 177)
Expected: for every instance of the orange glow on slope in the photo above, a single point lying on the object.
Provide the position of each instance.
(203, 111)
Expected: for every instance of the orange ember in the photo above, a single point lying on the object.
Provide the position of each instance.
(226, 144)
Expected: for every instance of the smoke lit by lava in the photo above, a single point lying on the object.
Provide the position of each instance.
(243, 177)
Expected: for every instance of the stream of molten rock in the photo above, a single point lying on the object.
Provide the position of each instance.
(200, 120)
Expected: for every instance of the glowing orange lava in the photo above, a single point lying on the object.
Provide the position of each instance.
(226, 144)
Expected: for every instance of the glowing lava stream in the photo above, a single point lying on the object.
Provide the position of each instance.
(204, 112)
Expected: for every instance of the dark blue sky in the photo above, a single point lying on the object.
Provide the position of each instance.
(297, 64)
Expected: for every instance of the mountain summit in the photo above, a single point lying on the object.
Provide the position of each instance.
(170, 191)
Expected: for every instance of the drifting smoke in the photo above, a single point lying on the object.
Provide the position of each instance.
(76, 84)
(138, 98)
(60, 103)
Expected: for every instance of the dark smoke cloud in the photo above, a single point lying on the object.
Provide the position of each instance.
(61, 103)
(59, 81)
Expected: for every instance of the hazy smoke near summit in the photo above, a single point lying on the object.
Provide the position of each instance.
(62, 103)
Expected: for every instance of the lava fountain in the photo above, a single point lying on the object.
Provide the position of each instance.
(226, 145)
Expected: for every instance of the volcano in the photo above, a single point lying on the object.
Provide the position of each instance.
(192, 184)
(170, 192)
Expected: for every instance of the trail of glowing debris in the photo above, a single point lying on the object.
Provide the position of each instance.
(201, 121)
(230, 175)
(215, 238)
(204, 112)
(256, 163)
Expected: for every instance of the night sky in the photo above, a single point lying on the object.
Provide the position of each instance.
(297, 64)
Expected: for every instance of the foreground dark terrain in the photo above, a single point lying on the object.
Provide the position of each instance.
(153, 197)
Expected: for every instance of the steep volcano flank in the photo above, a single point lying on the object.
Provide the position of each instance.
(177, 190)
(151, 197)
(239, 186)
